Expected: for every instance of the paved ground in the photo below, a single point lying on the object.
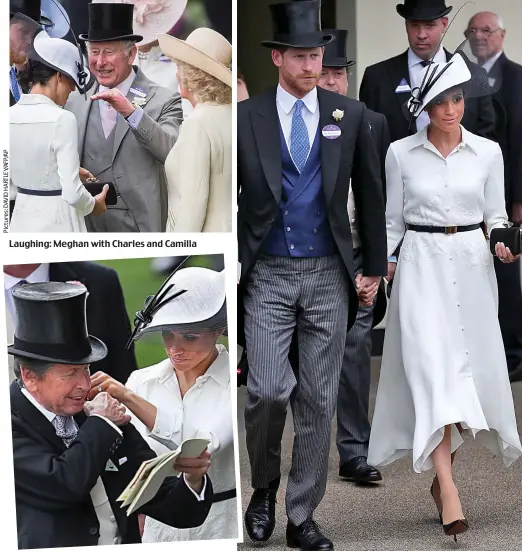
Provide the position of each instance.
(399, 514)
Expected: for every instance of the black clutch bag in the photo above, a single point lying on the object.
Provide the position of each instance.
(95, 188)
(510, 237)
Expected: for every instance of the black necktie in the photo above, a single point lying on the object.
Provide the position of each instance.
(425, 63)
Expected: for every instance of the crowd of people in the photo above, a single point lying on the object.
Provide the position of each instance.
(85, 416)
(414, 192)
(144, 140)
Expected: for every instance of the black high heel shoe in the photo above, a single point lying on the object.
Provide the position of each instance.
(458, 526)
(434, 499)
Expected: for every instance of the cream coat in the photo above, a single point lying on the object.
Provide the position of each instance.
(199, 172)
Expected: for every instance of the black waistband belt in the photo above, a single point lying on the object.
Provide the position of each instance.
(39, 192)
(443, 230)
(223, 496)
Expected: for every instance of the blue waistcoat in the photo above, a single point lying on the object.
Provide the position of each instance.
(302, 228)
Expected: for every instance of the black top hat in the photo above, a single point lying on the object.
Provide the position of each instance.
(109, 22)
(423, 10)
(30, 8)
(297, 25)
(335, 52)
(52, 324)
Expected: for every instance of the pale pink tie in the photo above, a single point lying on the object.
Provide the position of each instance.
(109, 116)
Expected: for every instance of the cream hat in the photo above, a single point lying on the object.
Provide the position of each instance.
(152, 17)
(204, 49)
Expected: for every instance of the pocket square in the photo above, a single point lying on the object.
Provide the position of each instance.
(110, 466)
(403, 87)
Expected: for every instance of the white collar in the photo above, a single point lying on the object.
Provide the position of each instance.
(50, 416)
(468, 139)
(287, 101)
(40, 274)
(124, 86)
(413, 59)
(488, 65)
(218, 371)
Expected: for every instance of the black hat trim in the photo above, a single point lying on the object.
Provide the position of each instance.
(62, 354)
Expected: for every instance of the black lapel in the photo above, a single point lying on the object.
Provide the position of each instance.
(26, 411)
(330, 149)
(265, 125)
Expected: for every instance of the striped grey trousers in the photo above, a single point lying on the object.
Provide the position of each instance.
(353, 427)
(312, 294)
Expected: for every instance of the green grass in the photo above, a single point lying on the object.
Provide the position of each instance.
(138, 281)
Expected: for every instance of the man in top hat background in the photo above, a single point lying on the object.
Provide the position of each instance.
(486, 33)
(106, 312)
(298, 145)
(387, 85)
(127, 126)
(353, 427)
(21, 34)
(73, 458)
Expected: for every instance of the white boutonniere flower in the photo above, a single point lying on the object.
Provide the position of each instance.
(338, 114)
(138, 101)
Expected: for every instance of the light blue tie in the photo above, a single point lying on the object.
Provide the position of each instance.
(299, 141)
(14, 84)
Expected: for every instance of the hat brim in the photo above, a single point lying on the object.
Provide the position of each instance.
(161, 22)
(338, 63)
(86, 38)
(309, 40)
(99, 352)
(178, 50)
(421, 16)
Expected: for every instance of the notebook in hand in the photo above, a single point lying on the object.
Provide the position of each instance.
(151, 474)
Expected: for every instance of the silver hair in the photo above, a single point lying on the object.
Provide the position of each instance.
(40, 368)
(500, 22)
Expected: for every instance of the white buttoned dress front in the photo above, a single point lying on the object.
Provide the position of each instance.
(204, 412)
(443, 360)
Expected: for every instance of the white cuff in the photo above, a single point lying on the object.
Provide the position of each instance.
(201, 495)
(135, 117)
(108, 422)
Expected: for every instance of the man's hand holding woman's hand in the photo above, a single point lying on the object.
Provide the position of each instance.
(367, 288)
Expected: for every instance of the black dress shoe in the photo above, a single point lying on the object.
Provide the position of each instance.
(360, 471)
(307, 537)
(260, 514)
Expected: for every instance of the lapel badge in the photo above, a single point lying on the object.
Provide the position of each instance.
(331, 132)
(138, 91)
(111, 467)
(338, 114)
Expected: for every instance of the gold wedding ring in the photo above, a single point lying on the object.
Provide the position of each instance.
(111, 93)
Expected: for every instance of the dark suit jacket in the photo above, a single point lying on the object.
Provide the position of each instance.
(53, 483)
(107, 317)
(378, 93)
(260, 184)
(509, 96)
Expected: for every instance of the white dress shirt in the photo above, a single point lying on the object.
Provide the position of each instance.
(488, 66)
(415, 67)
(40, 274)
(109, 532)
(424, 188)
(285, 109)
(205, 411)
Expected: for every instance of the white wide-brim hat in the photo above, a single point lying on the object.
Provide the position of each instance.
(202, 305)
(61, 55)
(441, 77)
(204, 49)
(152, 17)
